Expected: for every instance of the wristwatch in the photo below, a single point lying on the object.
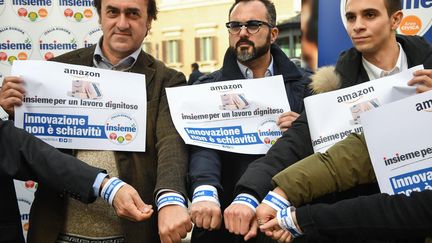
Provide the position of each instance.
(3, 115)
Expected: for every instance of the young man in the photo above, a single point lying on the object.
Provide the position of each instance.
(377, 51)
(158, 172)
(252, 54)
(24, 157)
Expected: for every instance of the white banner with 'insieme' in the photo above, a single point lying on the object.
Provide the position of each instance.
(237, 116)
(79, 107)
(398, 137)
(334, 115)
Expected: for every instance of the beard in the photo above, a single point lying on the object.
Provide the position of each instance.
(244, 55)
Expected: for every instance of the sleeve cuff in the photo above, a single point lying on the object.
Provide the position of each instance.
(98, 182)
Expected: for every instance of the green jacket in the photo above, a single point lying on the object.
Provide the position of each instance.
(343, 166)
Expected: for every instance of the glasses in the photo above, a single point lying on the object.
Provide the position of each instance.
(252, 26)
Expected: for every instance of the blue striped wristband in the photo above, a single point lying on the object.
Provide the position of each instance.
(205, 193)
(170, 198)
(247, 200)
(286, 222)
(111, 188)
(276, 201)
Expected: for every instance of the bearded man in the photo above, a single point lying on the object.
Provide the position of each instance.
(252, 54)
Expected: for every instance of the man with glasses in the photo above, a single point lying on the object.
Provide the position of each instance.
(251, 54)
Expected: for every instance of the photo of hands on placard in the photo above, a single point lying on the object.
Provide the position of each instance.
(85, 90)
(234, 102)
(359, 108)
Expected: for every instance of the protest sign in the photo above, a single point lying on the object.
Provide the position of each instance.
(398, 137)
(79, 107)
(237, 116)
(334, 115)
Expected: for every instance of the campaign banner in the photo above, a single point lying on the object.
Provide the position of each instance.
(334, 115)
(398, 137)
(25, 199)
(237, 116)
(40, 30)
(79, 107)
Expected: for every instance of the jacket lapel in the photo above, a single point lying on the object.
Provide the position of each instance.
(143, 65)
(86, 57)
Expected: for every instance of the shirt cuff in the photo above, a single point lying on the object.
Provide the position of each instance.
(98, 182)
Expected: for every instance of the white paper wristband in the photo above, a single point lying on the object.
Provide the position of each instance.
(170, 198)
(205, 193)
(247, 200)
(276, 201)
(111, 188)
(286, 222)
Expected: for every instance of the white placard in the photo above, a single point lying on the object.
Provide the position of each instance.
(334, 115)
(236, 116)
(79, 107)
(398, 136)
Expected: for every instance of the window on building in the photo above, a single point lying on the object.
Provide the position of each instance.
(172, 51)
(290, 43)
(205, 48)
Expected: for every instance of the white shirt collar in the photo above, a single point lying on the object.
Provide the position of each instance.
(375, 72)
(248, 74)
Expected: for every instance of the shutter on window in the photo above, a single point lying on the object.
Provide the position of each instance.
(197, 49)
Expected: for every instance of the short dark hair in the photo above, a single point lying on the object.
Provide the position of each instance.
(195, 66)
(271, 11)
(392, 6)
(152, 10)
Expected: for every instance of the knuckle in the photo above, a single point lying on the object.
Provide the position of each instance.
(163, 232)
(193, 210)
(216, 213)
(121, 211)
(205, 211)
(245, 214)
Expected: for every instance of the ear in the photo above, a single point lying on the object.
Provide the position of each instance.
(396, 19)
(274, 34)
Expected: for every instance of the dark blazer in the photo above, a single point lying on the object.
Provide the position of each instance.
(223, 169)
(24, 157)
(162, 165)
(206, 164)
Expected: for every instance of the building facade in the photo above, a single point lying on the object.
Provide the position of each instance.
(189, 31)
